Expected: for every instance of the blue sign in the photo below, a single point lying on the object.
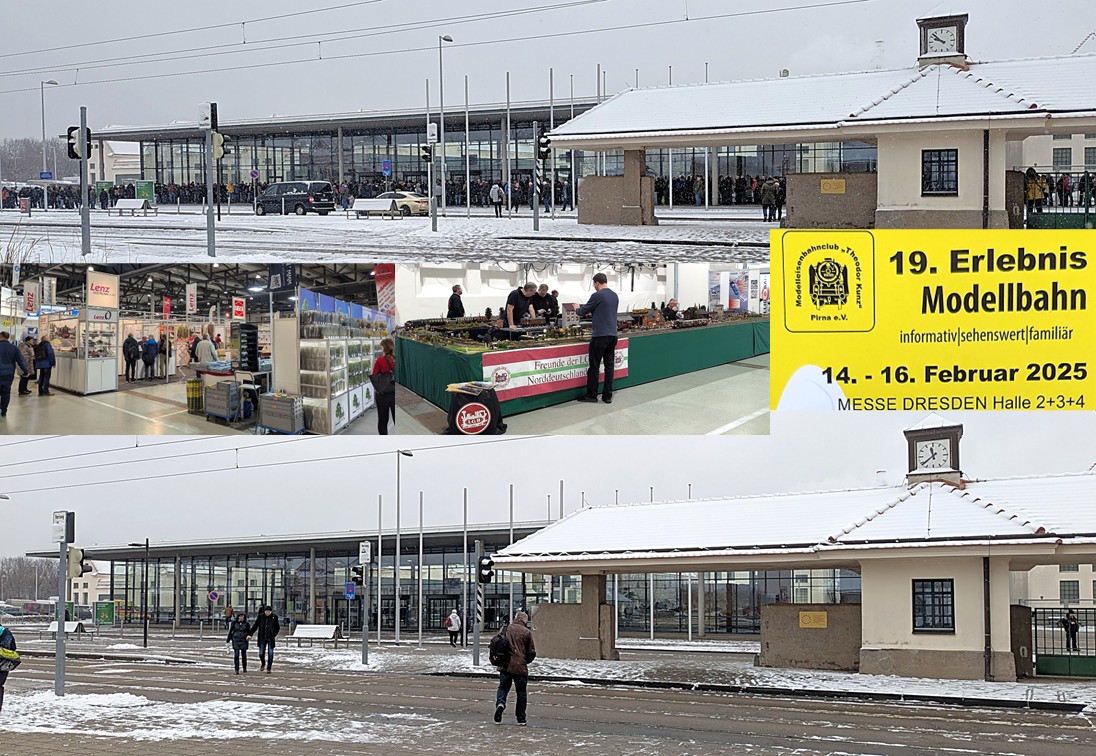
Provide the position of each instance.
(253, 173)
(356, 311)
(326, 303)
(46, 175)
(351, 591)
(308, 300)
(386, 167)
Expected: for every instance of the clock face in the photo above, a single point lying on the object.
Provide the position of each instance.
(943, 39)
(933, 454)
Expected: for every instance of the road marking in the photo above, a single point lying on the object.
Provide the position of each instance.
(740, 421)
(138, 415)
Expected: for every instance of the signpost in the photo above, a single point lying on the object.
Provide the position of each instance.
(64, 533)
(214, 596)
(254, 174)
(479, 611)
(46, 176)
(351, 591)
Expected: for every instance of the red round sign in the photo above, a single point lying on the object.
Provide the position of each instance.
(473, 418)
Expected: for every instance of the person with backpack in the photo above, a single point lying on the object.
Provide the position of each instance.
(9, 659)
(149, 350)
(383, 379)
(44, 362)
(512, 651)
(131, 351)
(452, 624)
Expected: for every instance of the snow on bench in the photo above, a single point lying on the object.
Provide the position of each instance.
(322, 633)
(363, 208)
(133, 205)
(71, 628)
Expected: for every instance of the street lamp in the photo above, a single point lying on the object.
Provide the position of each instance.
(144, 589)
(441, 109)
(42, 87)
(399, 453)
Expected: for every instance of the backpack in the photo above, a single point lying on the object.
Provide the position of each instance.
(499, 650)
(448, 621)
(9, 657)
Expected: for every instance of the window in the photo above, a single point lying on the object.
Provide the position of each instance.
(1061, 137)
(940, 172)
(1090, 157)
(1069, 591)
(1069, 568)
(934, 606)
(1063, 157)
(1090, 136)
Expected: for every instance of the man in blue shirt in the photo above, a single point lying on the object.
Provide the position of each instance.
(603, 308)
(10, 358)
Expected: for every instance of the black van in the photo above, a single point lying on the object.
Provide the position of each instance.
(300, 197)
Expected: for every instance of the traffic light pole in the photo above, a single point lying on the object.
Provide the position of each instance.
(536, 178)
(62, 573)
(211, 247)
(85, 204)
(479, 609)
(365, 616)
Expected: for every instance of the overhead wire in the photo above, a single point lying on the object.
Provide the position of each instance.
(430, 48)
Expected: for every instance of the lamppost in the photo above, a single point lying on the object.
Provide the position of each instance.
(396, 561)
(42, 88)
(144, 589)
(441, 111)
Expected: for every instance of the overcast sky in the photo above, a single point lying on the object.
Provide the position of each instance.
(201, 496)
(394, 63)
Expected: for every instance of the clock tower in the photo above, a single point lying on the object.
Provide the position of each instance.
(934, 451)
(943, 40)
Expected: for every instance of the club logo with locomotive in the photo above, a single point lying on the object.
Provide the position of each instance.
(828, 285)
(501, 376)
(473, 418)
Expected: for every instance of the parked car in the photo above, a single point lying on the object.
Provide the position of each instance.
(300, 197)
(409, 203)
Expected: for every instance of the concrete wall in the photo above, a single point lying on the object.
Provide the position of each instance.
(601, 202)
(809, 207)
(785, 644)
(577, 631)
(900, 202)
(890, 646)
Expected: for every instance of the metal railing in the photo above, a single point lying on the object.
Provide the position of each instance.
(1062, 196)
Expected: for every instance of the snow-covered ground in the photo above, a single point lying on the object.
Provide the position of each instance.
(54, 237)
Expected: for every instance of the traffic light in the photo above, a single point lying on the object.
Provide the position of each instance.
(427, 152)
(356, 575)
(218, 145)
(544, 147)
(212, 116)
(77, 148)
(76, 564)
(485, 571)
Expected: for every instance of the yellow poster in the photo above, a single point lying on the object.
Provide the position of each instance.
(933, 320)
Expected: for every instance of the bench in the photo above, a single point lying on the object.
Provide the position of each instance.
(133, 205)
(321, 633)
(76, 629)
(363, 208)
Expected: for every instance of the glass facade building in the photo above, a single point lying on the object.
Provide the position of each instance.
(192, 587)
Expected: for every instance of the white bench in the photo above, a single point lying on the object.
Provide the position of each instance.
(322, 633)
(133, 205)
(71, 628)
(363, 208)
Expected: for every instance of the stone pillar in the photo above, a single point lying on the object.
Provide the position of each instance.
(596, 629)
(638, 200)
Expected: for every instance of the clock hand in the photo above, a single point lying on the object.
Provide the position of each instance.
(938, 38)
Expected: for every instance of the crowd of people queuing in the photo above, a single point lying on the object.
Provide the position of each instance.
(1064, 190)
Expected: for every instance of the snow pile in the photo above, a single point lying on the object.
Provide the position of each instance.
(136, 718)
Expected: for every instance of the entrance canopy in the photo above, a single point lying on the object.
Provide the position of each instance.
(1033, 520)
(1029, 96)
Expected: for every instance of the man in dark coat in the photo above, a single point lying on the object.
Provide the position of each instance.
(239, 633)
(266, 629)
(456, 306)
(516, 672)
(10, 358)
(7, 640)
(131, 351)
(148, 355)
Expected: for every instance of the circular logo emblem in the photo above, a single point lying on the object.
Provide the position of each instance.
(501, 375)
(473, 418)
(618, 359)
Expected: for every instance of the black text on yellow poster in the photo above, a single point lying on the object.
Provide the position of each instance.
(933, 320)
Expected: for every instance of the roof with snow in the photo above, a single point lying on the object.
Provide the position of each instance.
(1018, 88)
(1043, 509)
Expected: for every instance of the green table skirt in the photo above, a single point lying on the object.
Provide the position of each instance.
(427, 369)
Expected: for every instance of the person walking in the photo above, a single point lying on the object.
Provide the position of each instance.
(452, 624)
(1071, 626)
(44, 362)
(265, 630)
(768, 199)
(131, 352)
(603, 307)
(384, 388)
(496, 195)
(7, 642)
(456, 306)
(10, 359)
(148, 355)
(26, 348)
(516, 670)
(239, 633)
(229, 613)
(567, 203)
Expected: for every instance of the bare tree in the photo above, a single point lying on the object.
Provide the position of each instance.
(21, 159)
(27, 579)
